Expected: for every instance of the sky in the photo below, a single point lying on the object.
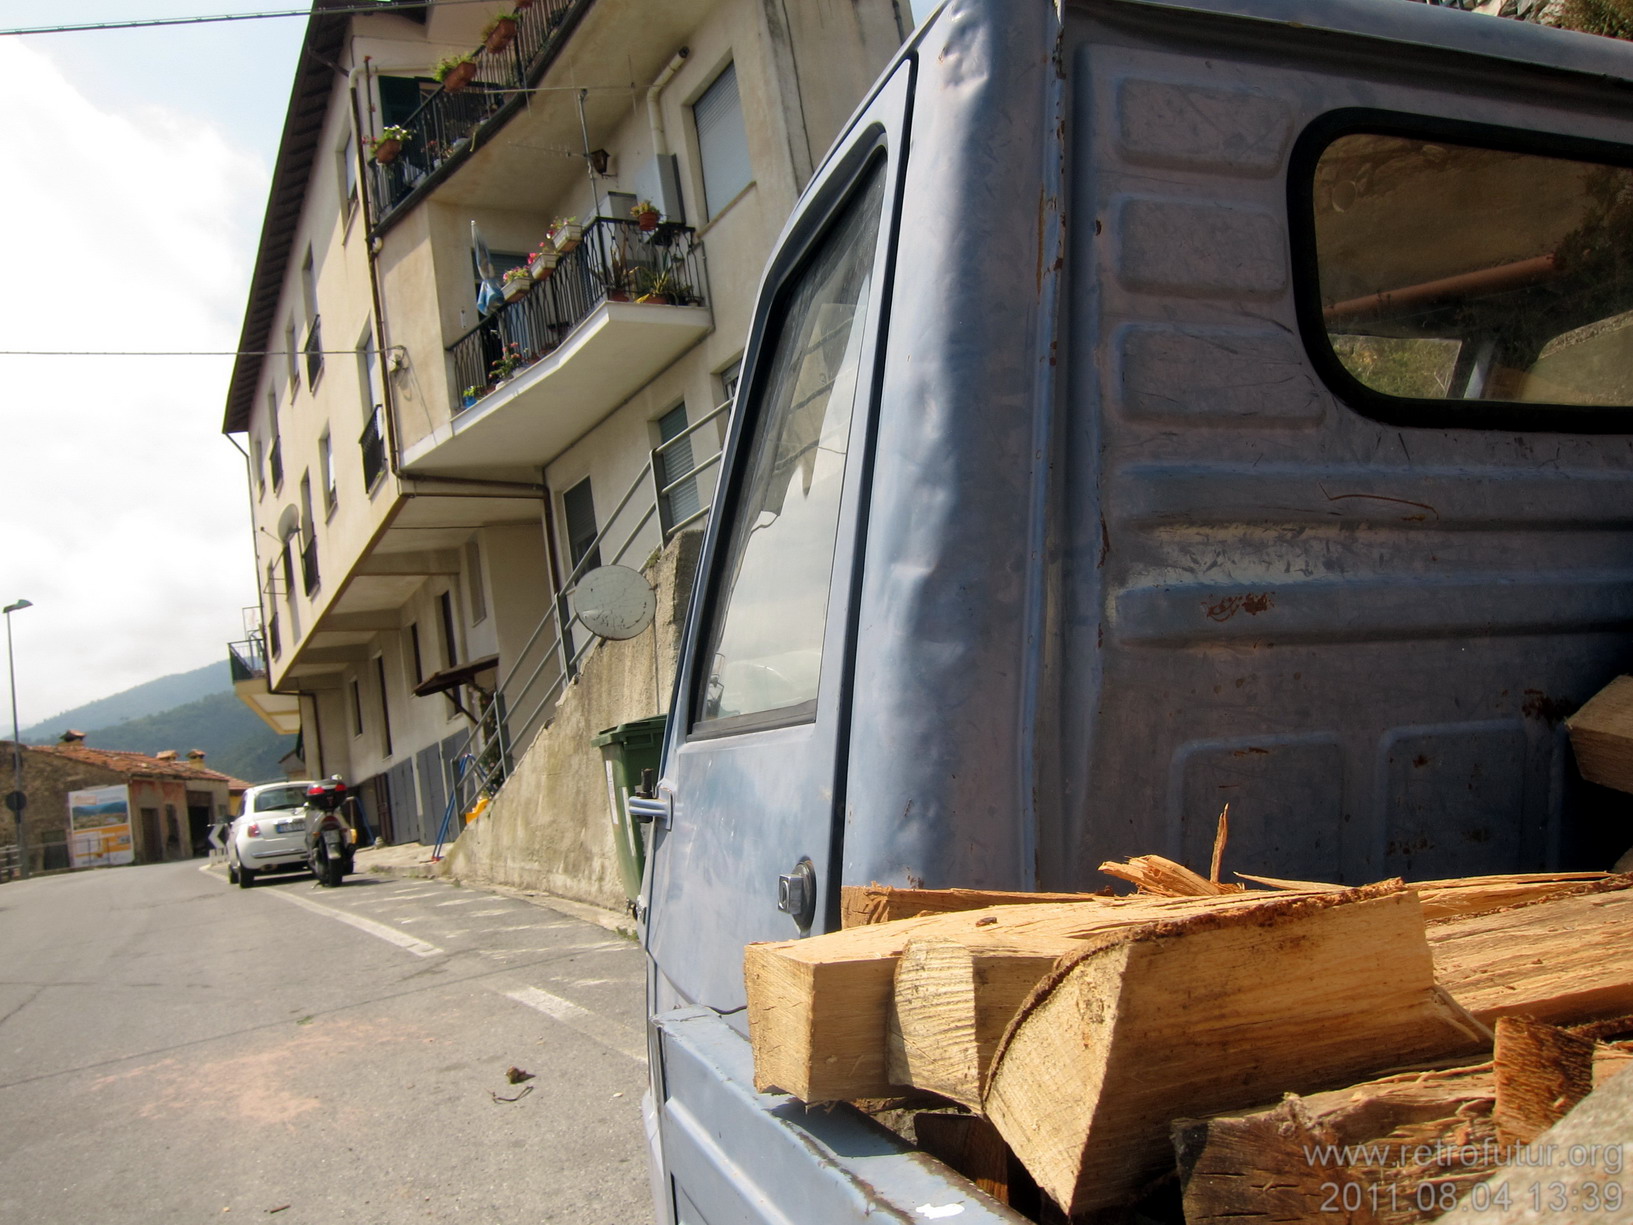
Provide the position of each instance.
(137, 168)
(137, 171)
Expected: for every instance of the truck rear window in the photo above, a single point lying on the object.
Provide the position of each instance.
(1459, 283)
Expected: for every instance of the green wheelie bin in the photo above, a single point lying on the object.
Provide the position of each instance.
(626, 750)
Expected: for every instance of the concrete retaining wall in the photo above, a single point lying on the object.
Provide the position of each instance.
(550, 828)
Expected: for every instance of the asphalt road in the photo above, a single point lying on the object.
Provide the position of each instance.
(173, 1049)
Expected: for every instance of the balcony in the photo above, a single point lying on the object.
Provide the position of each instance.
(440, 131)
(279, 711)
(537, 373)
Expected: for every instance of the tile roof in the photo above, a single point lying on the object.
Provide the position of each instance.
(136, 764)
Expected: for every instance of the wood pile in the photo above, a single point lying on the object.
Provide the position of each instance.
(1242, 1049)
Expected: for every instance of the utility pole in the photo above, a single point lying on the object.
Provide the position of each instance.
(17, 800)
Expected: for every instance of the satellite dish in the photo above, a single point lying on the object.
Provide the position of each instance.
(615, 602)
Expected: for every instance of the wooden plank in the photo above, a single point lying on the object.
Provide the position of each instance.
(1377, 1152)
(1602, 736)
(818, 1009)
(864, 904)
(1216, 1012)
(951, 1005)
(1564, 960)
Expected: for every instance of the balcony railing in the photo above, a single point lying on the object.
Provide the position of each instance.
(440, 130)
(615, 262)
(373, 446)
(313, 348)
(309, 566)
(247, 659)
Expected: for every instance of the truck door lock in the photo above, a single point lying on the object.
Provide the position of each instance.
(796, 894)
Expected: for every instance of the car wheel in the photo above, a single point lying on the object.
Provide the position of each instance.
(246, 877)
(232, 872)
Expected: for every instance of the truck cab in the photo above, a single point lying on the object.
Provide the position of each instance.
(1151, 405)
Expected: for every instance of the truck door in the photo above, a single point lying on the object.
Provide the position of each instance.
(757, 741)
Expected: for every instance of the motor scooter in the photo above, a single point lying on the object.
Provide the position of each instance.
(331, 840)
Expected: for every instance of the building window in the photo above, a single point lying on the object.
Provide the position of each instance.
(722, 142)
(414, 658)
(326, 473)
(357, 708)
(348, 177)
(368, 371)
(292, 369)
(729, 378)
(385, 706)
(674, 466)
(578, 507)
(473, 577)
(450, 639)
(257, 454)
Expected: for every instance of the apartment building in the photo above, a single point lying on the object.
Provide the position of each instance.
(438, 447)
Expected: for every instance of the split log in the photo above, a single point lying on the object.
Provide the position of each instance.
(951, 1005)
(1564, 960)
(818, 1009)
(1466, 895)
(1361, 1154)
(863, 904)
(1214, 1012)
(1602, 736)
(1541, 1073)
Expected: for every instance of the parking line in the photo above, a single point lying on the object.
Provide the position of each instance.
(582, 1019)
(389, 934)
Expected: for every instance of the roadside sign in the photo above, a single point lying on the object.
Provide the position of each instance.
(16, 801)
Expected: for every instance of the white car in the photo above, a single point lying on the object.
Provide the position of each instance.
(269, 835)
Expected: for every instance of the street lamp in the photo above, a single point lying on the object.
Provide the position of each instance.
(16, 800)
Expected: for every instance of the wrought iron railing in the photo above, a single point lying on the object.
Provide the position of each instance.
(527, 693)
(615, 261)
(313, 348)
(247, 659)
(440, 129)
(309, 566)
(373, 445)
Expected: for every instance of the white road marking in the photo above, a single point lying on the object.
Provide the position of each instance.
(462, 901)
(477, 914)
(389, 934)
(582, 1020)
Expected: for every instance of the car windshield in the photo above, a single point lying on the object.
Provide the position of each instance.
(280, 797)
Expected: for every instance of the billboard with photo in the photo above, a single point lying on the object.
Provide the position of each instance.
(99, 833)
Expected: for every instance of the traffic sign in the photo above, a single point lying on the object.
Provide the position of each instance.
(16, 801)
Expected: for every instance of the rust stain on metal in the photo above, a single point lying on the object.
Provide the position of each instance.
(1251, 603)
(1538, 705)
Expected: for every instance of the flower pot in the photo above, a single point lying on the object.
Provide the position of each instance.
(648, 221)
(461, 75)
(617, 295)
(567, 237)
(387, 150)
(518, 288)
(657, 299)
(467, 401)
(501, 36)
(544, 263)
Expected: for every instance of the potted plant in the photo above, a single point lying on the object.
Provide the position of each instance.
(543, 261)
(499, 33)
(504, 367)
(386, 146)
(456, 72)
(647, 214)
(473, 393)
(565, 234)
(662, 287)
(517, 282)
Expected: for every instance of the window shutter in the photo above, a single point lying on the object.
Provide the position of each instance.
(722, 142)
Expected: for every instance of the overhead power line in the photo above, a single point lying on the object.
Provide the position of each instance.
(150, 22)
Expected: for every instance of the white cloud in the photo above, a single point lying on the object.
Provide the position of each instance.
(122, 509)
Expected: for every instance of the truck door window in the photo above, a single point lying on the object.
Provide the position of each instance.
(770, 610)
(1485, 276)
